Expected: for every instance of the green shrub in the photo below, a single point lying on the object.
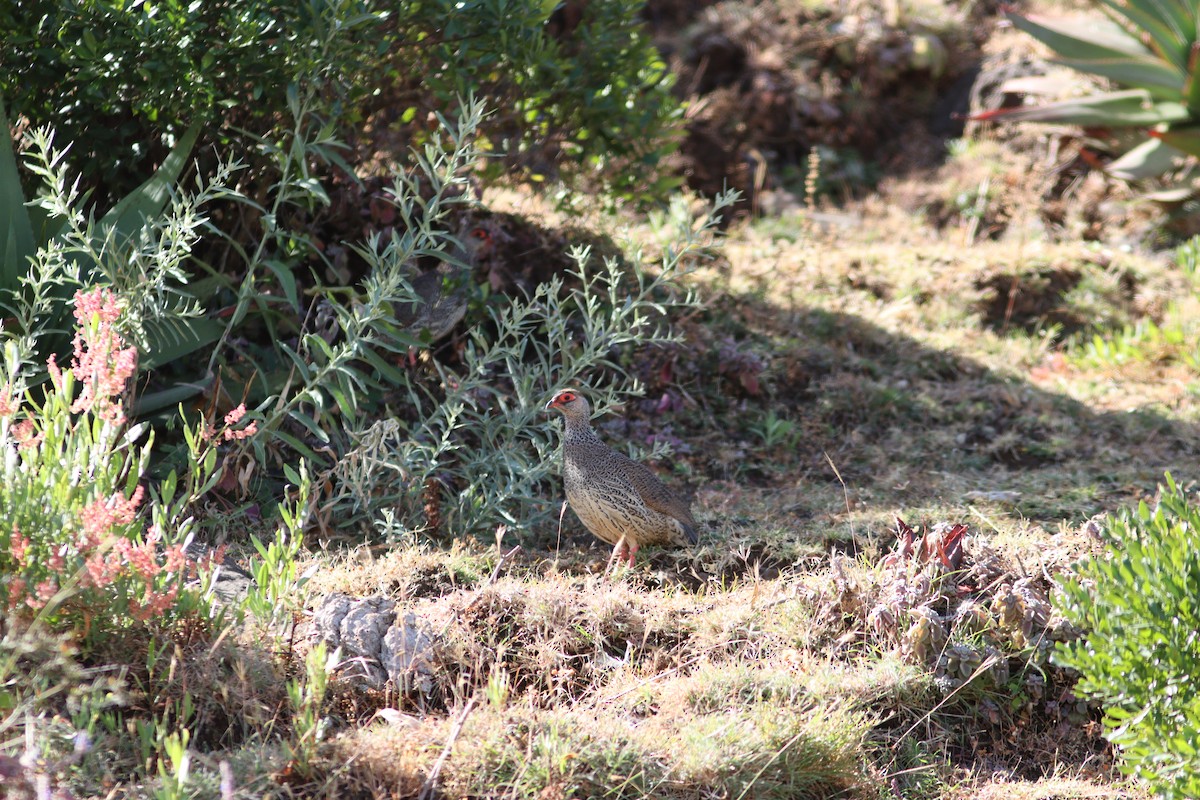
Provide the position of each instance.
(121, 79)
(585, 95)
(1138, 605)
(113, 76)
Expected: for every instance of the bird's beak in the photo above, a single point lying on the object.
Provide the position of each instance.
(549, 405)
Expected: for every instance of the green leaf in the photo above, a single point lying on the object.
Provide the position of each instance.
(343, 402)
(1133, 108)
(1191, 88)
(547, 8)
(168, 340)
(310, 425)
(1069, 38)
(1170, 35)
(146, 201)
(1149, 159)
(1163, 81)
(287, 279)
(300, 447)
(165, 398)
(16, 234)
(1104, 48)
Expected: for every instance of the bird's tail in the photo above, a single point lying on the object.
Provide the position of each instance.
(689, 533)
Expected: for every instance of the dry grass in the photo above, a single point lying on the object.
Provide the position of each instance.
(898, 375)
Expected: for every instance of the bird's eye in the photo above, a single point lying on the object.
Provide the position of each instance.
(479, 233)
(566, 397)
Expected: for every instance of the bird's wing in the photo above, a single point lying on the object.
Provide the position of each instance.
(657, 496)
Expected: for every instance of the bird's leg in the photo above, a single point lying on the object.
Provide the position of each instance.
(618, 554)
(631, 553)
(558, 545)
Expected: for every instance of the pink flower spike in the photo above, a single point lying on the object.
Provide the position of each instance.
(235, 416)
(18, 545)
(55, 372)
(27, 435)
(42, 594)
(7, 409)
(244, 433)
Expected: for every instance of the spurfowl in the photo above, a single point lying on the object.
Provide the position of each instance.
(442, 292)
(615, 497)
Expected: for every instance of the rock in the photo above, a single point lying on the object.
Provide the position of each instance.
(378, 645)
(406, 655)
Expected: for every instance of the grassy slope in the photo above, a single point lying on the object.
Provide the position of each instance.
(893, 382)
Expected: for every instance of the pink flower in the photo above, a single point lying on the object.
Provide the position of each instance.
(96, 519)
(155, 604)
(100, 570)
(16, 592)
(27, 435)
(99, 302)
(244, 433)
(142, 557)
(55, 372)
(18, 545)
(102, 363)
(124, 511)
(42, 594)
(100, 516)
(55, 561)
(233, 418)
(176, 559)
(7, 409)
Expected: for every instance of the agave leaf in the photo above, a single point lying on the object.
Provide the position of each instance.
(1151, 158)
(1133, 108)
(1053, 85)
(1104, 48)
(1163, 81)
(16, 234)
(1191, 87)
(1171, 33)
(1073, 38)
(1174, 194)
(170, 339)
(1185, 139)
(147, 201)
(168, 398)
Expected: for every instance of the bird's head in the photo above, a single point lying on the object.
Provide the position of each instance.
(479, 240)
(571, 404)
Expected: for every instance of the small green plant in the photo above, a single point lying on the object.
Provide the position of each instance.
(277, 591)
(776, 431)
(498, 687)
(173, 771)
(587, 99)
(114, 76)
(1141, 342)
(308, 698)
(1140, 653)
(1187, 258)
(55, 245)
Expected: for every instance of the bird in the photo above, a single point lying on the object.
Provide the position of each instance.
(442, 293)
(619, 500)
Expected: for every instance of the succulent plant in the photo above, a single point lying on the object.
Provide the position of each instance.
(1147, 48)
